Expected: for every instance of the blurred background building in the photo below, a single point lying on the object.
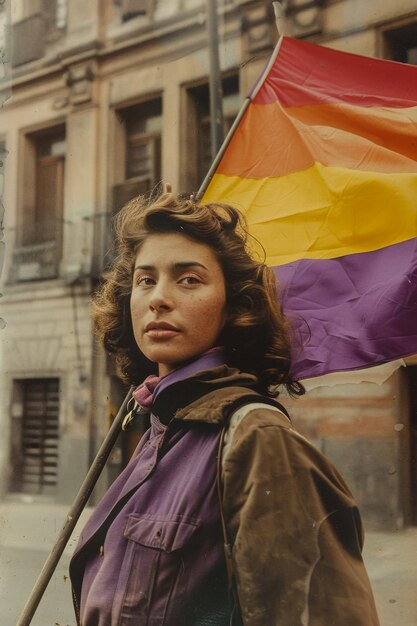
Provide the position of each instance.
(101, 101)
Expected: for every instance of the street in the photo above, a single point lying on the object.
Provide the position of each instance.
(27, 531)
(19, 570)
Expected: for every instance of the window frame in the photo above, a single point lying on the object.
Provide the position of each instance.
(393, 37)
(191, 165)
(119, 171)
(49, 252)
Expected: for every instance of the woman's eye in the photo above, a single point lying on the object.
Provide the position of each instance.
(190, 280)
(145, 281)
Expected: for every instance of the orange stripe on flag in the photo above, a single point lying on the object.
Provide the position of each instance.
(274, 141)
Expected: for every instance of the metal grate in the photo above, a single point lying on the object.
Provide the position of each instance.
(40, 436)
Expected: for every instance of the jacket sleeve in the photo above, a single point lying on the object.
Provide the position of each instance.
(295, 529)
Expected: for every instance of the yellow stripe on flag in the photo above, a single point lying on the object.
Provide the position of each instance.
(322, 212)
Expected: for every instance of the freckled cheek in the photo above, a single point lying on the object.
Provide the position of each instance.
(208, 314)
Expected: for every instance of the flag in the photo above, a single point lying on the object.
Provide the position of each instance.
(324, 166)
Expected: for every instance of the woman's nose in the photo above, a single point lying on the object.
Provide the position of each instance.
(161, 298)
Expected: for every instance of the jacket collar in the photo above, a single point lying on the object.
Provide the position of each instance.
(204, 396)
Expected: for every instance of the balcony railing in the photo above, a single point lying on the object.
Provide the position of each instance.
(35, 262)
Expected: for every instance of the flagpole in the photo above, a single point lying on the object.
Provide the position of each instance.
(215, 81)
(243, 109)
(222, 150)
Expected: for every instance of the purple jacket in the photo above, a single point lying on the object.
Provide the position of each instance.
(161, 560)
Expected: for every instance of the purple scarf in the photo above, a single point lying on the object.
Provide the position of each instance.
(152, 385)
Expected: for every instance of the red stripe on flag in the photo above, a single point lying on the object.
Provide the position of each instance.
(305, 73)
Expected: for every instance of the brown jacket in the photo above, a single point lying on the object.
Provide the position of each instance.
(295, 527)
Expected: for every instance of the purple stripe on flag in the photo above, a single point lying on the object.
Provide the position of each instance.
(361, 308)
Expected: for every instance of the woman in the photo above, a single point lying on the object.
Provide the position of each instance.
(185, 296)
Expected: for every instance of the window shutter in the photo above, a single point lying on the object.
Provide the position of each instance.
(49, 192)
(144, 157)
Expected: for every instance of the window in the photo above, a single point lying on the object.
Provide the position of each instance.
(4, 19)
(36, 436)
(136, 161)
(401, 43)
(198, 139)
(141, 125)
(54, 13)
(43, 21)
(28, 37)
(143, 141)
(39, 244)
(45, 208)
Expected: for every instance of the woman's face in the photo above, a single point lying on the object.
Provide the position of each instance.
(178, 299)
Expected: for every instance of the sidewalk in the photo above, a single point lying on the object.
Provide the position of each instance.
(28, 530)
(391, 561)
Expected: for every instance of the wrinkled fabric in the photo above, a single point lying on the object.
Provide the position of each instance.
(163, 550)
(324, 166)
(296, 529)
(144, 393)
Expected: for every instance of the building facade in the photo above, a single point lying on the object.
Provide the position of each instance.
(103, 100)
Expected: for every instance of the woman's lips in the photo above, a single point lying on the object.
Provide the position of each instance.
(161, 333)
(161, 330)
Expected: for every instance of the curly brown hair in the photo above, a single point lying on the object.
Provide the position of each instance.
(256, 336)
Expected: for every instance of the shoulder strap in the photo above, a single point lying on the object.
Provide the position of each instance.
(244, 401)
(232, 589)
(249, 398)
